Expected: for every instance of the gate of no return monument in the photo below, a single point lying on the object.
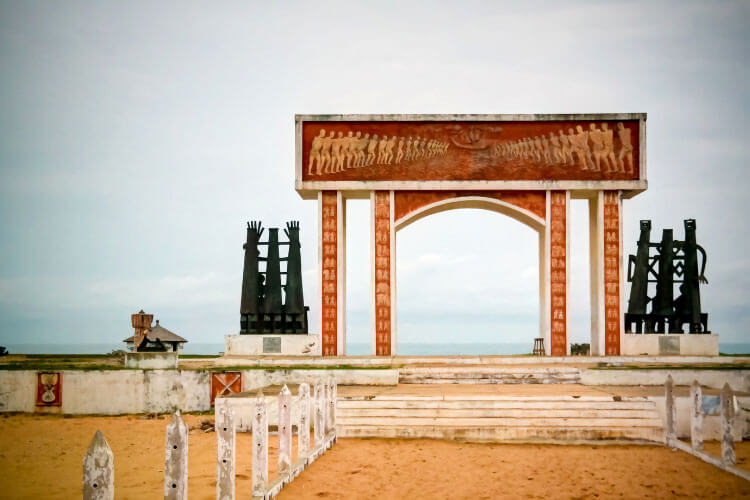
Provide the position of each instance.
(525, 166)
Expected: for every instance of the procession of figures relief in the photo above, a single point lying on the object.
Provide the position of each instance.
(331, 153)
(592, 149)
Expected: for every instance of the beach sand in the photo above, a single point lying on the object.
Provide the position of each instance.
(41, 457)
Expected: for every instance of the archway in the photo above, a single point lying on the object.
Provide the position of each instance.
(467, 282)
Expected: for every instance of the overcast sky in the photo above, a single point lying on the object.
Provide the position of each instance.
(137, 138)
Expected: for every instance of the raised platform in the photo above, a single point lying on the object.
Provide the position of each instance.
(285, 344)
(151, 360)
(685, 344)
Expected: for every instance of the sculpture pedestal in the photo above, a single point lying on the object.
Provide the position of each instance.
(655, 344)
(269, 344)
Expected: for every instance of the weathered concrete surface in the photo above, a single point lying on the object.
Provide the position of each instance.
(285, 431)
(696, 417)
(689, 345)
(226, 452)
(18, 390)
(738, 379)
(256, 379)
(260, 448)
(152, 360)
(176, 460)
(98, 470)
(291, 344)
(728, 455)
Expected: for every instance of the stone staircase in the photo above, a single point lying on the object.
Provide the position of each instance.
(489, 375)
(493, 418)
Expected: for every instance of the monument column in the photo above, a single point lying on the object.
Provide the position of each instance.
(383, 237)
(557, 238)
(332, 271)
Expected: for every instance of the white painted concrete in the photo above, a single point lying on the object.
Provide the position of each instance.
(739, 380)
(256, 379)
(291, 344)
(151, 360)
(18, 390)
(711, 423)
(634, 344)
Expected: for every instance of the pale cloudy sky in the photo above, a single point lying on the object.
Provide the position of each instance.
(136, 138)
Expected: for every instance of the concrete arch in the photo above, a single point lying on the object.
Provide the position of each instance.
(479, 202)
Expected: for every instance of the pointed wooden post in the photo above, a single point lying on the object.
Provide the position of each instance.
(225, 448)
(285, 431)
(728, 455)
(303, 428)
(260, 447)
(670, 433)
(696, 416)
(319, 422)
(331, 417)
(98, 470)
(176, 459)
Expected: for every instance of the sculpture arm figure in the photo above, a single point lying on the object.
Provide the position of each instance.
(702, 276)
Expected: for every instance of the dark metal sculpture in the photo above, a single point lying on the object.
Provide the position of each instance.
(675, 262)
(261, 307)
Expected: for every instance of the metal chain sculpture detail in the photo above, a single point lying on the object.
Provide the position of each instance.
(261, 307)
(673, 262)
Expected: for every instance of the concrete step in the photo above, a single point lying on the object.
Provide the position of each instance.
(489, 375)
(492, 413)
(508, 434)
(500, 418)
(344, 404)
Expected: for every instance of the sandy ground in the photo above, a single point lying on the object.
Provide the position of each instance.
(41, 457)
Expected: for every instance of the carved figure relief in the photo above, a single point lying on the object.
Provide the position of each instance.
(329, 274)
(558, 270)
(49, 389)
(611, 273)
(382, 207)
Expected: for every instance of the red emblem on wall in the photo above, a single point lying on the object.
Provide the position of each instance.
(49, 389)
(225, 383)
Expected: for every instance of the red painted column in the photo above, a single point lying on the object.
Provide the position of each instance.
(329, 270)
(612, 259)
(558, 264)
(383, 234)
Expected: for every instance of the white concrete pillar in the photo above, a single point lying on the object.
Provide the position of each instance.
(98, 470)
(544, 305)
(225, 452)
(285, 431)
(331, 417)
(319, 414)
(303, 428)
(728, 455)
(176, 459)
(260, 447)
(696, 416)
(670, 427)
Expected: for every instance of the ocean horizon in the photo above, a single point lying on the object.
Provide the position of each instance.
(352, 348)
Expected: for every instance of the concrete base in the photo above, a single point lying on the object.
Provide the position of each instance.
(634, 344)
(151, 360)
(287, 344)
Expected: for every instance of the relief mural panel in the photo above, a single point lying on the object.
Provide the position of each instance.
(382, 273)
(612, 273)
(558, 272)
(329, 272)
(418, 151)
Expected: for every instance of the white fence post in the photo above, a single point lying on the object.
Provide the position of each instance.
(225, 448)
(260, 447)
(319, 422)
(98, 470)
(285, 431)
(728, 455)
(671, 412)
(303, 428)
(176, 459)
(331, 404)
(696, 417)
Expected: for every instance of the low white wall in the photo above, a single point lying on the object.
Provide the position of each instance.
(152, 360)
(291, 344)
(635, 344)
(255, 379)
(739, 380)
(18, 390)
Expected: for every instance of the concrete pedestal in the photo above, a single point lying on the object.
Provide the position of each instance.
(652, 344)
(151, 360)
(286, 344)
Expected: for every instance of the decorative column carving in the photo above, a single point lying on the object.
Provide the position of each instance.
(557, 221)
(612, 285)
(332, 292)
(383, 289)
